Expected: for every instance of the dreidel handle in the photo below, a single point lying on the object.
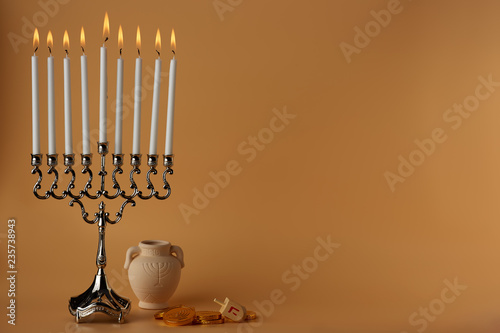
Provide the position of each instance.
(219, 302)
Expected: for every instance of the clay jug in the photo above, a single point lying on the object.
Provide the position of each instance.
(154, 272)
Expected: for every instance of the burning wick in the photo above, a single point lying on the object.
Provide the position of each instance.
(158, 52)
(83, 50)
(50, 50)
(173, 51)
(120, 52)
(138, 52)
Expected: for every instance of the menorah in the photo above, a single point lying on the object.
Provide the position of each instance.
(99, 297)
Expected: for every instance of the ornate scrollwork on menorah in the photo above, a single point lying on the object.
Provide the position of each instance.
(99, 297)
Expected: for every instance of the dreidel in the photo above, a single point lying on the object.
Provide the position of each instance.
(232, 310)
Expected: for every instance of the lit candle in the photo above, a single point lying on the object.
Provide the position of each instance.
(171, 100)
(136, 146)
(50, 97)
(119, 96)
(85, 98)
(156, 97)
(35, 107)
(103, 83)
(68, 135)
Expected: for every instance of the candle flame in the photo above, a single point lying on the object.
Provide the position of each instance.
(172, 41)
(120, 38)
(105, 27)
(36, 39)
(158, 42)
(138, 40)
(82, 40)
(50, 41)
(66, 41)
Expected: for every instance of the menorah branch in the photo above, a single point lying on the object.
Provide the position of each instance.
(119, 214)
(69, 161)
(52, 163)
(117, 162)
(36, 161)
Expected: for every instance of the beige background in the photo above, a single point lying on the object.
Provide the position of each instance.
(322, 175)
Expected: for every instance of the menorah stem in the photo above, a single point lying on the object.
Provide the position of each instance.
(101, 249)
(102, 148)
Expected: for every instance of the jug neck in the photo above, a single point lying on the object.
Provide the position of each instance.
(155, 248)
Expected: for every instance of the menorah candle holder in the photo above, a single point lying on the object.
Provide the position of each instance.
(99, 297)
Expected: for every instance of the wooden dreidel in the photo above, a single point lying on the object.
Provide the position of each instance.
(232, 310)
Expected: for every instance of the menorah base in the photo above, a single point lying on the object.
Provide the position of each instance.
(99, 297)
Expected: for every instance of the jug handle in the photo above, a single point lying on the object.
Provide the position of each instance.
(131, 254)
(179, 254)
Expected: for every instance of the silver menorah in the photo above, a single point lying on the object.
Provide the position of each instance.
(99, 297)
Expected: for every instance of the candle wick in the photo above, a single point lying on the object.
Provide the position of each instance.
(120, 52)
(173, 51)
(139, 52)
(106, 39)
(66, 52)
(158, 52)
(83, 50)
(50, 50)
(36, 49)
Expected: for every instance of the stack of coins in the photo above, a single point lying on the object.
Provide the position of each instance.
(181, 315)
(208, 318)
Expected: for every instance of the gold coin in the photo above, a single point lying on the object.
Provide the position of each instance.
(251, 315)
(209, 322)
(208, 315)
(159, 314)
(179, 315)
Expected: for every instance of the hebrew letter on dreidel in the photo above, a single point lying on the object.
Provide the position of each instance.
(233, 309)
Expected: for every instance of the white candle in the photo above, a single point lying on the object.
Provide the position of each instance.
(51, 98)
(170, 108)
(68, 135)
(35, 107)
(169, 137)
(156, 99)
(136, 146)
(103, 85)
(85, 99)
(103, 96)
(119, 96)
